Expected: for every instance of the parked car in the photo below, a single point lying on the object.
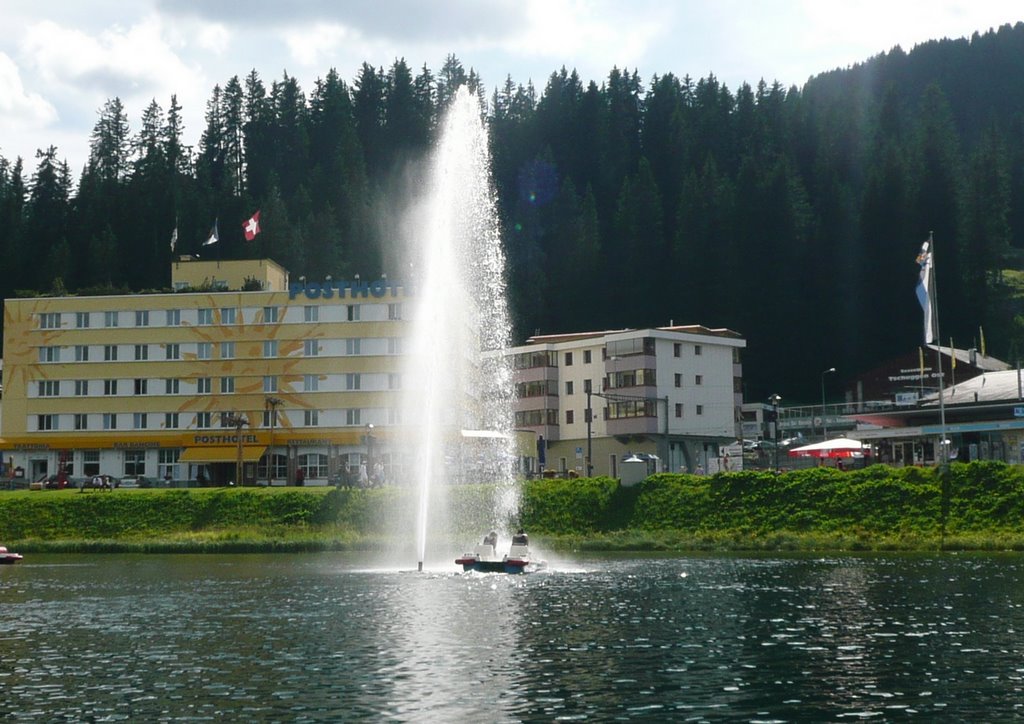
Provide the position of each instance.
(137, 481)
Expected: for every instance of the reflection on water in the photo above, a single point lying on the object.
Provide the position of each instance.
(323, 637)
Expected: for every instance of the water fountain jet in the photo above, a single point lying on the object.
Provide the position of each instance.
(457, 377)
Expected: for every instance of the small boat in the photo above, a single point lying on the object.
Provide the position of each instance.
(6, 557)
(485, 559)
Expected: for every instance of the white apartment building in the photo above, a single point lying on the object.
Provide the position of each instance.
(671, 395)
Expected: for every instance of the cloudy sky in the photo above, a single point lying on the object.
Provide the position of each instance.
(60, 60)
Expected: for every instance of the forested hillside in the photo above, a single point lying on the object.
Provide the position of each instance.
(791, 215)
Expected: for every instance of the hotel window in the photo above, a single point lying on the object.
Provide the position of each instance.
(311, 418)
(227, 419)
(46, 422)
(82, 320)
(49, 388)
(109, 387)
(49, 354)
(587, 356)
(270, 383)
(81, 388)
(203, 419)
(227, 350)
(141, 352)
(110, 352)
(204, 350)
(394, 381)
(167, 463)
(90, 462)
(173, 317)
(588, 386)
(270, 315)
(568, 387)
(172, 386)
(698, 379)
(353, 346)
(142, 318)
(352, 417)
(568, 359)
(140, 420)
(228, 315)
(134, 462)
(227, 385)
(678, 379)
(267, 418)
(203, 386)
(697, 350)
(109, 421)
(353, 312)
(394, 345)
(353, 381)
(141, 386)
(110, 319)
(270, 348)
(311, 347)
(49, 320)
(170, 421)
(700, 409)
(205, 316)
(81, 422)
(310, 313)
(394, 416)
(679, 409)
(310, 383)
(81, 353)
(172, 351)
(569, 417)
(677, 349)
(395, 311)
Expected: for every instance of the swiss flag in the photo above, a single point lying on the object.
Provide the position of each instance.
(252, 226)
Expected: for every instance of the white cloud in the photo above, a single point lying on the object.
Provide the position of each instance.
(18, 107)
(590, 36)
(317, 45)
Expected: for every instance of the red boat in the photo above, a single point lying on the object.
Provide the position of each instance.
(6, 557)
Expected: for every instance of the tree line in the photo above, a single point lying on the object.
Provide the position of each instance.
(791, 215)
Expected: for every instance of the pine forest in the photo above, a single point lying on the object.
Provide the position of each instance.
(790, 215)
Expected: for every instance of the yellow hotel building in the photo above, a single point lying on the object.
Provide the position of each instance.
(299, 380)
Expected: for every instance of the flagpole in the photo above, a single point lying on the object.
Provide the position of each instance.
(934, 294)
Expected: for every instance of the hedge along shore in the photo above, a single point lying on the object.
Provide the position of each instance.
(975, 506)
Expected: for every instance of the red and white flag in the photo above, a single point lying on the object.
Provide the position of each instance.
(252, 226)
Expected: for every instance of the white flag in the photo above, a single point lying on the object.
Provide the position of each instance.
(924, 291)
(214, 236)
(174, 238)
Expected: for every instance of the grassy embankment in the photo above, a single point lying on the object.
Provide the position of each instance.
(978, 506)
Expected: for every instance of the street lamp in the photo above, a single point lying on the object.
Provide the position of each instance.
(590, 437)
(272, 403)
(824, 425)
(775, 400)
(238, 422)
(369, 451)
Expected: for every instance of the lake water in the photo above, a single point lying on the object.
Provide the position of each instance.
(331, 637)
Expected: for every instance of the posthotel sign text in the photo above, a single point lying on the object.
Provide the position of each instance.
(340, 289)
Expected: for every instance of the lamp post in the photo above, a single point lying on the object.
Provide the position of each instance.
(775, 400)
(590, 437)
(272, 403)
(369, 451)
(238, 422)
(824, 425)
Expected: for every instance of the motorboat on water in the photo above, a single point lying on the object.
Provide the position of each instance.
(485, 559)
(7, 557)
